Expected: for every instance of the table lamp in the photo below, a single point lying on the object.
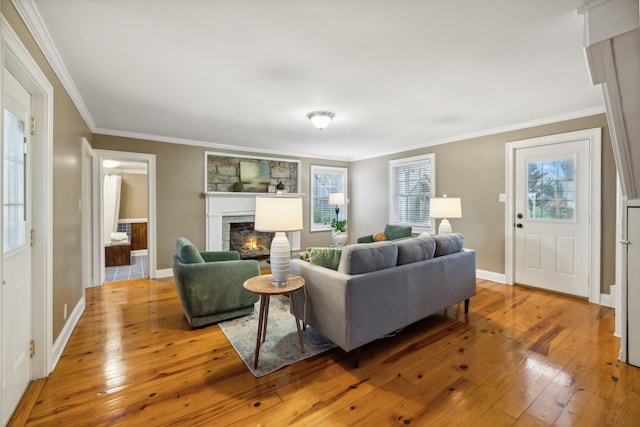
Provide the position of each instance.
(279, 214)
(445, 207)
(338, 200)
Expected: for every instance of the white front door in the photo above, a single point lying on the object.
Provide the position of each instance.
(552, 213)
(16, 219)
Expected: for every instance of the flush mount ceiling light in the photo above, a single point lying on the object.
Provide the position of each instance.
(320, 119)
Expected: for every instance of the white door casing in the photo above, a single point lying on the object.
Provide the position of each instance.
(532, 245)
(16, 276)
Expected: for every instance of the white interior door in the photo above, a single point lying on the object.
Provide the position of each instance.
(552, 213)
(16, 284)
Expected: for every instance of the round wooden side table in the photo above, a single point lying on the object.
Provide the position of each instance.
(263, 286)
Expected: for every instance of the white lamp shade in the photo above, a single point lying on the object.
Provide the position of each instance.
(278, 213)
(336, 198)
(445, 207)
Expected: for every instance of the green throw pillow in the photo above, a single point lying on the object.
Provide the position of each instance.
(325, 257)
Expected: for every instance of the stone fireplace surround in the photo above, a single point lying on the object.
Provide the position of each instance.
(222, 209)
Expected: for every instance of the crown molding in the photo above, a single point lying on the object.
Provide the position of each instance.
(494, 131)
(206, 144)
(32, 19)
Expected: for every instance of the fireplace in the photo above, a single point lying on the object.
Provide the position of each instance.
(222, 210)
(250, 243)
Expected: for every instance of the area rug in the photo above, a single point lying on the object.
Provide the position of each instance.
(281, 347)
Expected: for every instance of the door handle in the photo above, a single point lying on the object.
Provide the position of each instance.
(519, 225)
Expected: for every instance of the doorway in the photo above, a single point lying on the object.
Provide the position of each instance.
(553, 213)
(124, 228)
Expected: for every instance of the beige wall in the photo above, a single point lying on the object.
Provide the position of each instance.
(180, 205)
(475, 171)
(68, 129)
(133, 196)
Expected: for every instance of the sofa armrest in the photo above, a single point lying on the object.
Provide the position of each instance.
(322, 302)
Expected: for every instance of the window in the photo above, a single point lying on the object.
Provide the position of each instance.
(412, 185)
(324, 181)
(14, 181)
(551, 190)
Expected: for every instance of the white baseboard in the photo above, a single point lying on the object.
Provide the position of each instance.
(65, 334)
(606, 300)
(165, 272)
(490, 275)
(139, 252)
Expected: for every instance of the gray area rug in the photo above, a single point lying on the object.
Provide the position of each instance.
(281, 347)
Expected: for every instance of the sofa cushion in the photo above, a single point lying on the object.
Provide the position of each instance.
(366, 257)
(415, 249)
(187, 252)
(394, 232)
(325, 257)
(449, 244)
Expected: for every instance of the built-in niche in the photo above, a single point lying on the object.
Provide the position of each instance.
(245, 174)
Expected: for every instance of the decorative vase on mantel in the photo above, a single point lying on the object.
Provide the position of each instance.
(339, 238)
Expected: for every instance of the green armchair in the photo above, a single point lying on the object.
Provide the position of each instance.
(391, 232)
(209, 284)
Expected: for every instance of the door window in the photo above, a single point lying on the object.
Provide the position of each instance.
(551, 190)
(14, 183)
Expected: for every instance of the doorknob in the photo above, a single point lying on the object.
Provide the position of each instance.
(519, 216)
(519, 225)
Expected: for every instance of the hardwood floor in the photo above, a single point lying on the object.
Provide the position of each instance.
(520, 357)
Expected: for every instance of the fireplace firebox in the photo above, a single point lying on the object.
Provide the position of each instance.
(250, 243)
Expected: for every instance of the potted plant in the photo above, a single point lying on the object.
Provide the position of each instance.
(339, 232)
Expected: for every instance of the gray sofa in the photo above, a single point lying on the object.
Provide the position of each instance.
(378, 288)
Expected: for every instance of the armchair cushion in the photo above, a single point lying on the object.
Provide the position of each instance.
(220, 256)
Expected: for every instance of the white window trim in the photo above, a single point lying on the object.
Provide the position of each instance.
(392, 184)
(343, 210)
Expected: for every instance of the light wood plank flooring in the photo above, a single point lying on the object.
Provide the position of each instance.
(520, 357)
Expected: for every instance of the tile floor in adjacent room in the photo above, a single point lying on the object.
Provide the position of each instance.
(139, 268)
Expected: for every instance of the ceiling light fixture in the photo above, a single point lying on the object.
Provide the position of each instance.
(320, 119)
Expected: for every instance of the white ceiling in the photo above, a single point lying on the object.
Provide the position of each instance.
(244, 73)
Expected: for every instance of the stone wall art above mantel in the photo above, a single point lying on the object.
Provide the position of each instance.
(245, 174)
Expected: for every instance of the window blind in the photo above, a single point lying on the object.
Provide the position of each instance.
(412, 186)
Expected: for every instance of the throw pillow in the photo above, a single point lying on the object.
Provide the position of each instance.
(325, 257)
(379, 237)
(187, 252)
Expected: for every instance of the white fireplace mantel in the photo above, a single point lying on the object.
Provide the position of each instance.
(220, 205)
